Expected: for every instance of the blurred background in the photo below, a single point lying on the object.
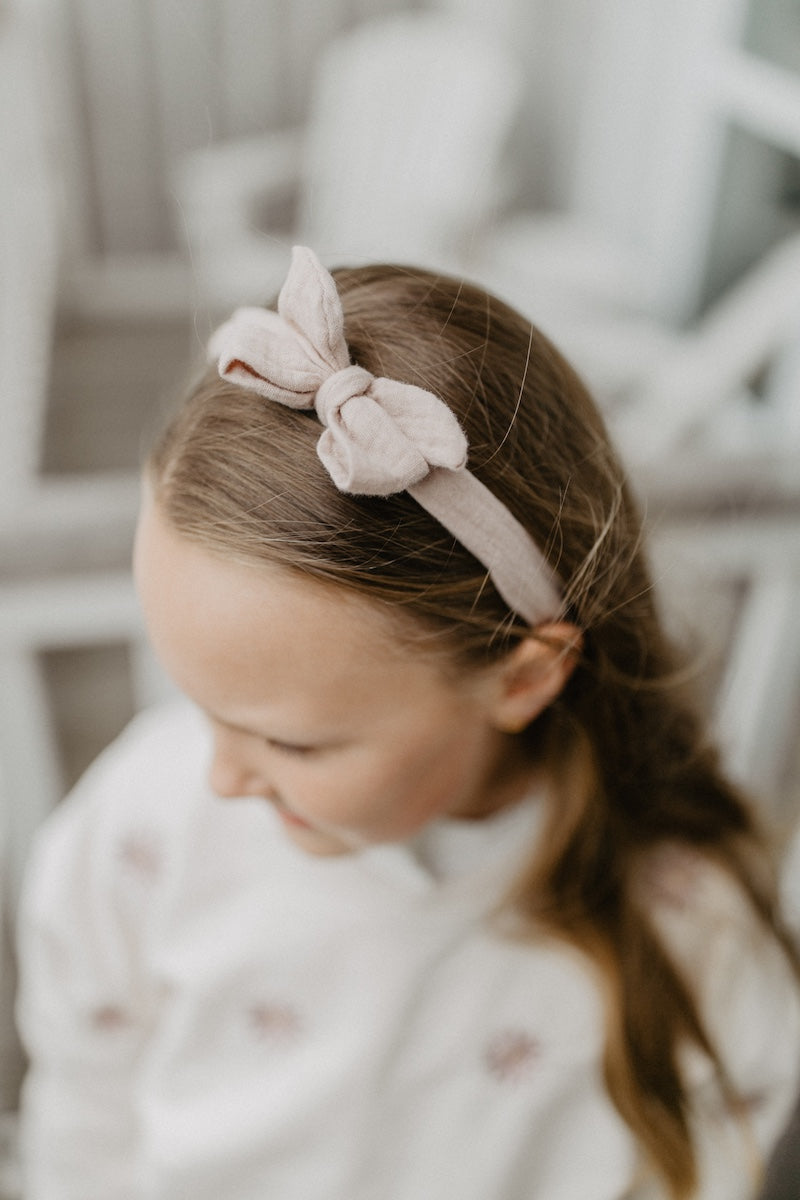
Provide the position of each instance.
(627, 173)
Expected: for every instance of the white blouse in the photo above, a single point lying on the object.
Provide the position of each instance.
(212, 1014)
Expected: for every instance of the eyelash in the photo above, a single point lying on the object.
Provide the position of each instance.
(288, 748)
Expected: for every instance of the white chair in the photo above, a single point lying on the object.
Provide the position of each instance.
(733, 581)
(701, 444)
(401, 158)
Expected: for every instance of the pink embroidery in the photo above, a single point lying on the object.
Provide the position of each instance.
(273, 1021)
(722, 1109)
(671, 877)
(107, 1018)
(511, 1055)
(140, 853)
(748, 1104)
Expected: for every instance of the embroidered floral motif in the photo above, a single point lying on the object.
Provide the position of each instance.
(671, 877)
(511, 1055)
(274, 1021)
(140, 853)
(107, 1018)
(747, 1105)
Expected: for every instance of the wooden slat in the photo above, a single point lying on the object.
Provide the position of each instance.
(759, 693)
(122, 112)
(652, 144)
(254, 59)
(71, 611)
(730, 548)
(308, 27)
(188, 82)
(64, 110)
(760, 97)
(28, 262)
(733, 341)
(30, 775)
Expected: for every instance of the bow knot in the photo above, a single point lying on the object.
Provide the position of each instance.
(334, 392)
(380, 436)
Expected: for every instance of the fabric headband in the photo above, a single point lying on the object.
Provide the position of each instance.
(380, 436)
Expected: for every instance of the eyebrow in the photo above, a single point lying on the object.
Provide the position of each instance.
(266, 737)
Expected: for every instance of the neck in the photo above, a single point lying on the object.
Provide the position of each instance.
(510, 776)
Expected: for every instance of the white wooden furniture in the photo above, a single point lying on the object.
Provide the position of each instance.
(401, 158)
(628, 283)
(670, 81)
(38, 513)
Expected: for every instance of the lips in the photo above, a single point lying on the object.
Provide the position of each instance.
(292, 819)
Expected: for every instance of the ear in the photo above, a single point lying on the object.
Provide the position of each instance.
(534, 673)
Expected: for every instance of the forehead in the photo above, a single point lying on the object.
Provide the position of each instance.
(231, 632)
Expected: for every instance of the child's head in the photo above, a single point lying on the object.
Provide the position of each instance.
(242, 476)
(339, 687)
(534, 438)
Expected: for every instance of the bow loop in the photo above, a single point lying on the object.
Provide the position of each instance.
(286, 355)
(259, 351)
(309, 302)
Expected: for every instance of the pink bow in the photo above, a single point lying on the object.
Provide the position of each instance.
(380, 436)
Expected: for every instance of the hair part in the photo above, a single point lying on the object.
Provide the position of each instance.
(625, 752)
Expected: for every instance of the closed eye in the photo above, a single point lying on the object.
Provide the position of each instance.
(290, 748)
(294, 748)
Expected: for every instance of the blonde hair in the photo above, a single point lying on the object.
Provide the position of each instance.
(627, 755)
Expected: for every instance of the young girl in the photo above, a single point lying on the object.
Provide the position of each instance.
(468, 909)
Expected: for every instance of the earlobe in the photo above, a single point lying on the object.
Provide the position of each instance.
(534, 674)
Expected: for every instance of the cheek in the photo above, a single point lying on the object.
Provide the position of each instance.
(391, 790)
(423, 781)
(389, 794)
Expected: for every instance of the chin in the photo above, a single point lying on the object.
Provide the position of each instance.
(316, 841)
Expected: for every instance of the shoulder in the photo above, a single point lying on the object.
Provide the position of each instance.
(161, 746)
(691, 898)
(131, 805)
(696, 904)
(746, 989)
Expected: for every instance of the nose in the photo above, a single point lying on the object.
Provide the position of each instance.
(232, 772)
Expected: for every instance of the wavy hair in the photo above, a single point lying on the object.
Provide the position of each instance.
(627, 756)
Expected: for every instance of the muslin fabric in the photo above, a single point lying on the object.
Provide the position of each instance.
(212, 1013)
(380, 436)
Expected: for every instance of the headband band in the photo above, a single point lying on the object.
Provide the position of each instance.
(380, 436)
